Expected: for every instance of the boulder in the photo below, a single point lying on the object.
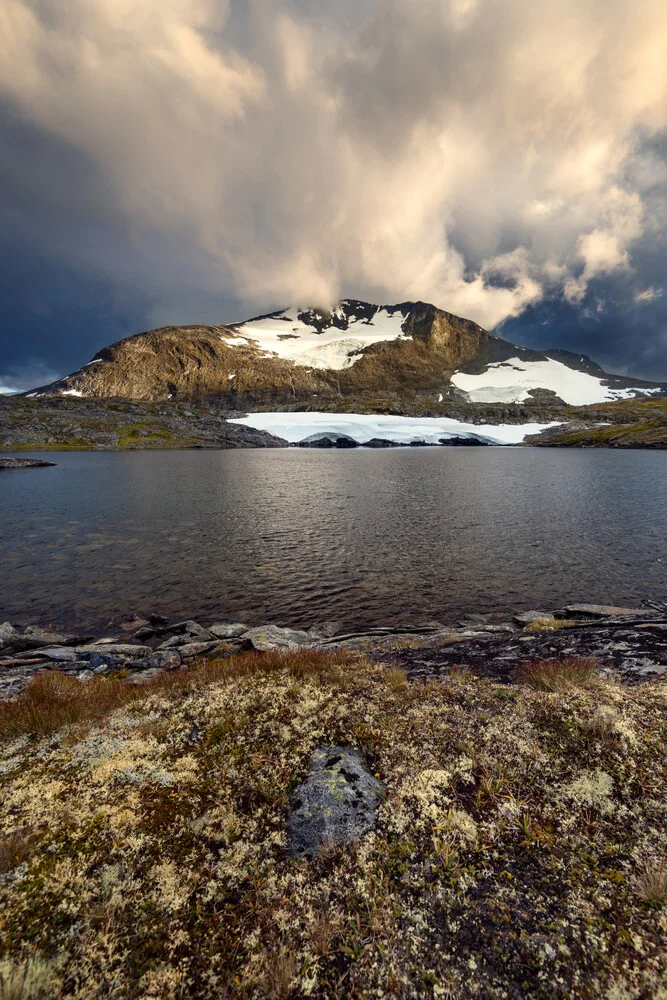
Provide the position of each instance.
(336, 804)
(233, 631)
(266, 637)
(8, 634)
(526, 617)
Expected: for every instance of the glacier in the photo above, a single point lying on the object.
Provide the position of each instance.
(362, 427)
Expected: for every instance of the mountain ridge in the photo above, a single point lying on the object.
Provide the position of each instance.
(410, 351)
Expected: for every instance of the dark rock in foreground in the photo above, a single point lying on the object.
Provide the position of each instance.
(337, 803)
(23, 463)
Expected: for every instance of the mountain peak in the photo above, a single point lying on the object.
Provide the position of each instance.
(378, 357)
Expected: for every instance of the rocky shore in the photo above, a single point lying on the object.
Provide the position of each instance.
(629, 643)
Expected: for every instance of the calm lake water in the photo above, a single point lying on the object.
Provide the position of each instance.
(360, 537)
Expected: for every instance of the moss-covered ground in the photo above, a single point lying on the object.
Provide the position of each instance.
(520, 850)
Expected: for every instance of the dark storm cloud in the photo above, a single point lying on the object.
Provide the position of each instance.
(195, 160)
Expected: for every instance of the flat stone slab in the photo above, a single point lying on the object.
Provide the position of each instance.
(23, 463)
(231, 631)
(336, 804)
(115, 649)
(603, 611)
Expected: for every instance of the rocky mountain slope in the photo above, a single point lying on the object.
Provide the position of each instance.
(396, 358)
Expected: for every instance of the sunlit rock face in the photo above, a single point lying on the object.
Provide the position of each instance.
(402, 357)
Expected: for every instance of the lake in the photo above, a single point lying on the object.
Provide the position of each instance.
(361, 537)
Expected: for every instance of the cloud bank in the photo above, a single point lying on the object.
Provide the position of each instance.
(485, 155)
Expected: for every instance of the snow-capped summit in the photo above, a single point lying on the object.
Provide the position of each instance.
(407, 357)
(325, 340)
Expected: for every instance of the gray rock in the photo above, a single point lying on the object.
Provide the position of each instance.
(324, 630)
(114, 648)
(526, 617)
(196, 649)
(165, 659)
(105, 663)
(174, 641)
(227, 647)
(145, 676)
(473, 619)
(62, 653)
(44, 638)
(227, 631)
(337, 803)
(8, 634)
(602, 611)
(266, 637)
(193, 629)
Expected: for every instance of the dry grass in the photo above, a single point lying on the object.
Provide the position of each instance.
(14, 850)
(31, 979)
(651, 884)
(560, 674)
(52, 700)
(549, 624)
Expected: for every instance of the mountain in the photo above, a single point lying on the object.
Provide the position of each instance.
(407, 354)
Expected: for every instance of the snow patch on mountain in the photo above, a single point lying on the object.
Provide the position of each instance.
(321, 342)
(511, 381)
(361, 427)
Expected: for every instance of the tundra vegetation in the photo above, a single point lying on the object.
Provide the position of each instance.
(520, 851)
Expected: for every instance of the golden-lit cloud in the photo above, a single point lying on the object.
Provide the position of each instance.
(479, 154)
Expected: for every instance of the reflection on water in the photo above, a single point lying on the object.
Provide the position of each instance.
(361, 537)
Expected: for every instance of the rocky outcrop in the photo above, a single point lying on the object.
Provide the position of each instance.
(335, 804)
(636, 423)
(63, 422)
(23, 463)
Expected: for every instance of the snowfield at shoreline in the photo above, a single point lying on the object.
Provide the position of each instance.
(361, 427)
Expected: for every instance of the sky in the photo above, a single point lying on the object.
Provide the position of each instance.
(202, 161)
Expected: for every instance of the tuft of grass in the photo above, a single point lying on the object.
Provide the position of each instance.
(31, 979)
(52, 700)
(279, 969)
(14, 850)
(651, 884)
(560, 674)
(548, 624)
